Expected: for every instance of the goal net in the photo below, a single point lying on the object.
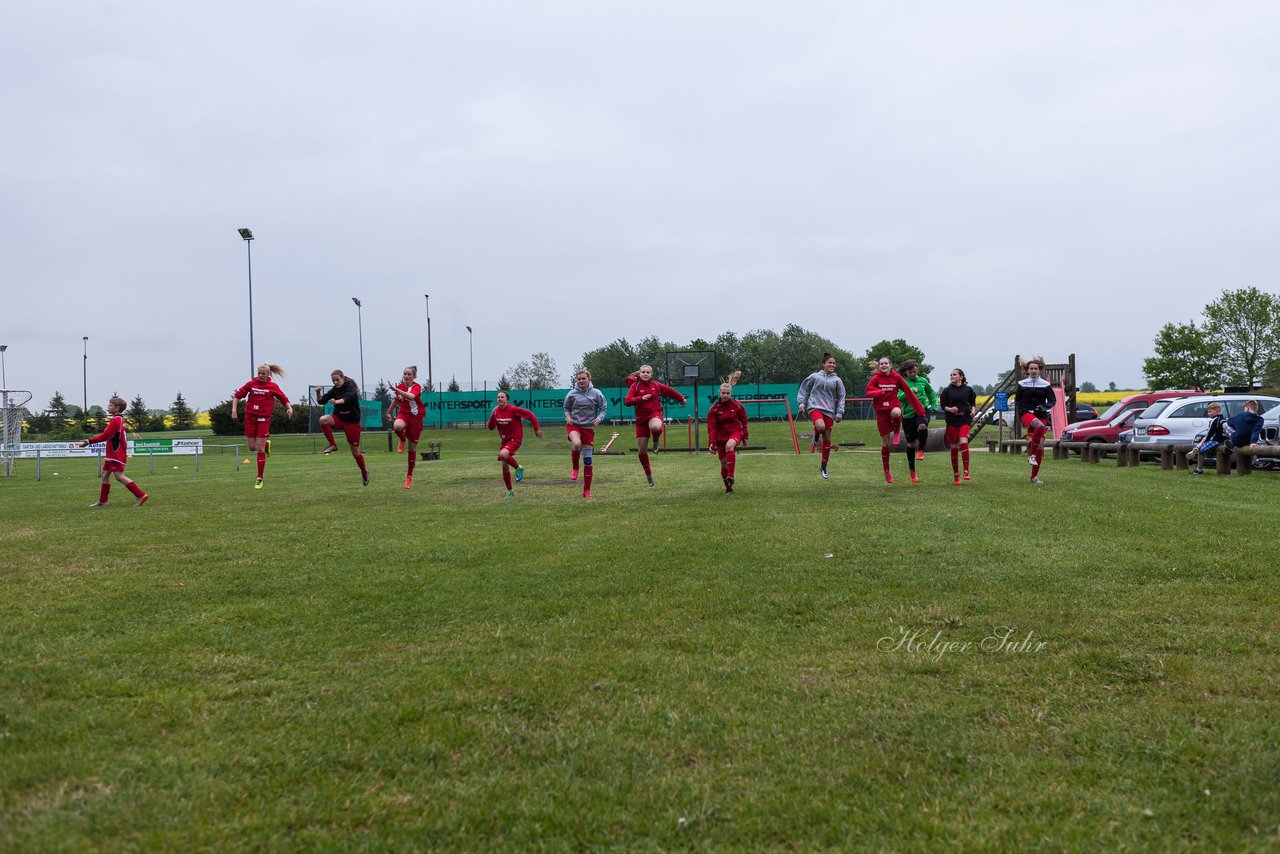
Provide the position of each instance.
(13, 410)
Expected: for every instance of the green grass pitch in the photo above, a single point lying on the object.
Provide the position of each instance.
(802, 664)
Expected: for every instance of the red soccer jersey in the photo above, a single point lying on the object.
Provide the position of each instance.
(651, 408)
(724, 420)
(117, 439)
(506, 419)
(262, 397)
(883, 390)
(411, 409)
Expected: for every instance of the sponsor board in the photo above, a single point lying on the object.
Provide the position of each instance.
(137, 447)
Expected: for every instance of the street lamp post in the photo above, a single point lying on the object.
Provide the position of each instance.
(247, 235)
(431, 385)
(360, 324)
(4, 382)
(85, 412)
(472, 350)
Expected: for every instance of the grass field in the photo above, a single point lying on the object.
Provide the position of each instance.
(804, 663)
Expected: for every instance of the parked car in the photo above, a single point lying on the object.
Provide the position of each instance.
(1084, 412)
(1178, 421)
(1140, 400)
(1101, 431)
(1270, 436)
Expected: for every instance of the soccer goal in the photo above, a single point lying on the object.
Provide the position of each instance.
(13, 403)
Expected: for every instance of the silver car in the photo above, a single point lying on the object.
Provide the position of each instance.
(1179, 421)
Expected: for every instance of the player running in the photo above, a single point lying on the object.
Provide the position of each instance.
(117, 440)
(1035, 398)
(958, 403)
(883, 388)
(584, 409)
(508, 420)
(408, 416)
(261, 393)
(727, 429)
(645, 394)
(822, 394)
(345, 396)
(915, 424)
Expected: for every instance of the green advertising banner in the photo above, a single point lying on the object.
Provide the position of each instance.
(762, 401)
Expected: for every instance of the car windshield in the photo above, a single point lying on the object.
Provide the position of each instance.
(1155, 409)
(1112, 410)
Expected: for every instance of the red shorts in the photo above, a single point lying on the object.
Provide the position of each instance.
(736, 437)
(112, 465)
(350, 429)
(827, 421)
(511, 446)
(257, 427)
(885, 424)
(956, 434)
(588, 433)
(642, 427)
(1027, 418)
(412, 427)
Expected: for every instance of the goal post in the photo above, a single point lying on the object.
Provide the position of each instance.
(13, 404)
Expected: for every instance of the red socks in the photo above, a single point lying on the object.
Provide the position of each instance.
(103, 491)
(586, 483)
(360, 462)
(826, 449)
(135, 489)
(262, 462)
(506, 477)
(964, 455)
(644, 462)
(884, 457)
(412, 462)
(575, 456)
(328, 433)
(511, 461)
(730, 460)
(955, 461)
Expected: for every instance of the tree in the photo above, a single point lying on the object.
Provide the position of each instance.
(1111, 386)
(898, 352)
(1184, 358)
(504, 384)
(1088, 387)
(610, 364)
(382, 394)
(1243, 328)
(183, 416)
(453, 384)
(540, 372)
(137, 416)
(58, 408)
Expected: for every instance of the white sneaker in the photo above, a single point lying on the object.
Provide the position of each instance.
(1037, 481)
(1031, 460)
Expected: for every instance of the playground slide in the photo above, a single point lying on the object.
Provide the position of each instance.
(1059, 415)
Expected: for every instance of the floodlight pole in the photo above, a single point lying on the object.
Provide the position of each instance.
(472, 350)
(431, 383)
(4, 382)
(360, 326)
(247, 236)
(85, 378)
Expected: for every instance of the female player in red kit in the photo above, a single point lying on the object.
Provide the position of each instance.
(645, 394)
(883, 388)
(262, 394)
(959, 403)
(345, 395)
(408, 414)
(727, 429)
(117, 440)
(506, 419)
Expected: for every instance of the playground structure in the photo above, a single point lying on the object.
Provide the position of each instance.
(1062, 376)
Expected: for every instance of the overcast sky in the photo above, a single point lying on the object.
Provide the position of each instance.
(982, 179)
